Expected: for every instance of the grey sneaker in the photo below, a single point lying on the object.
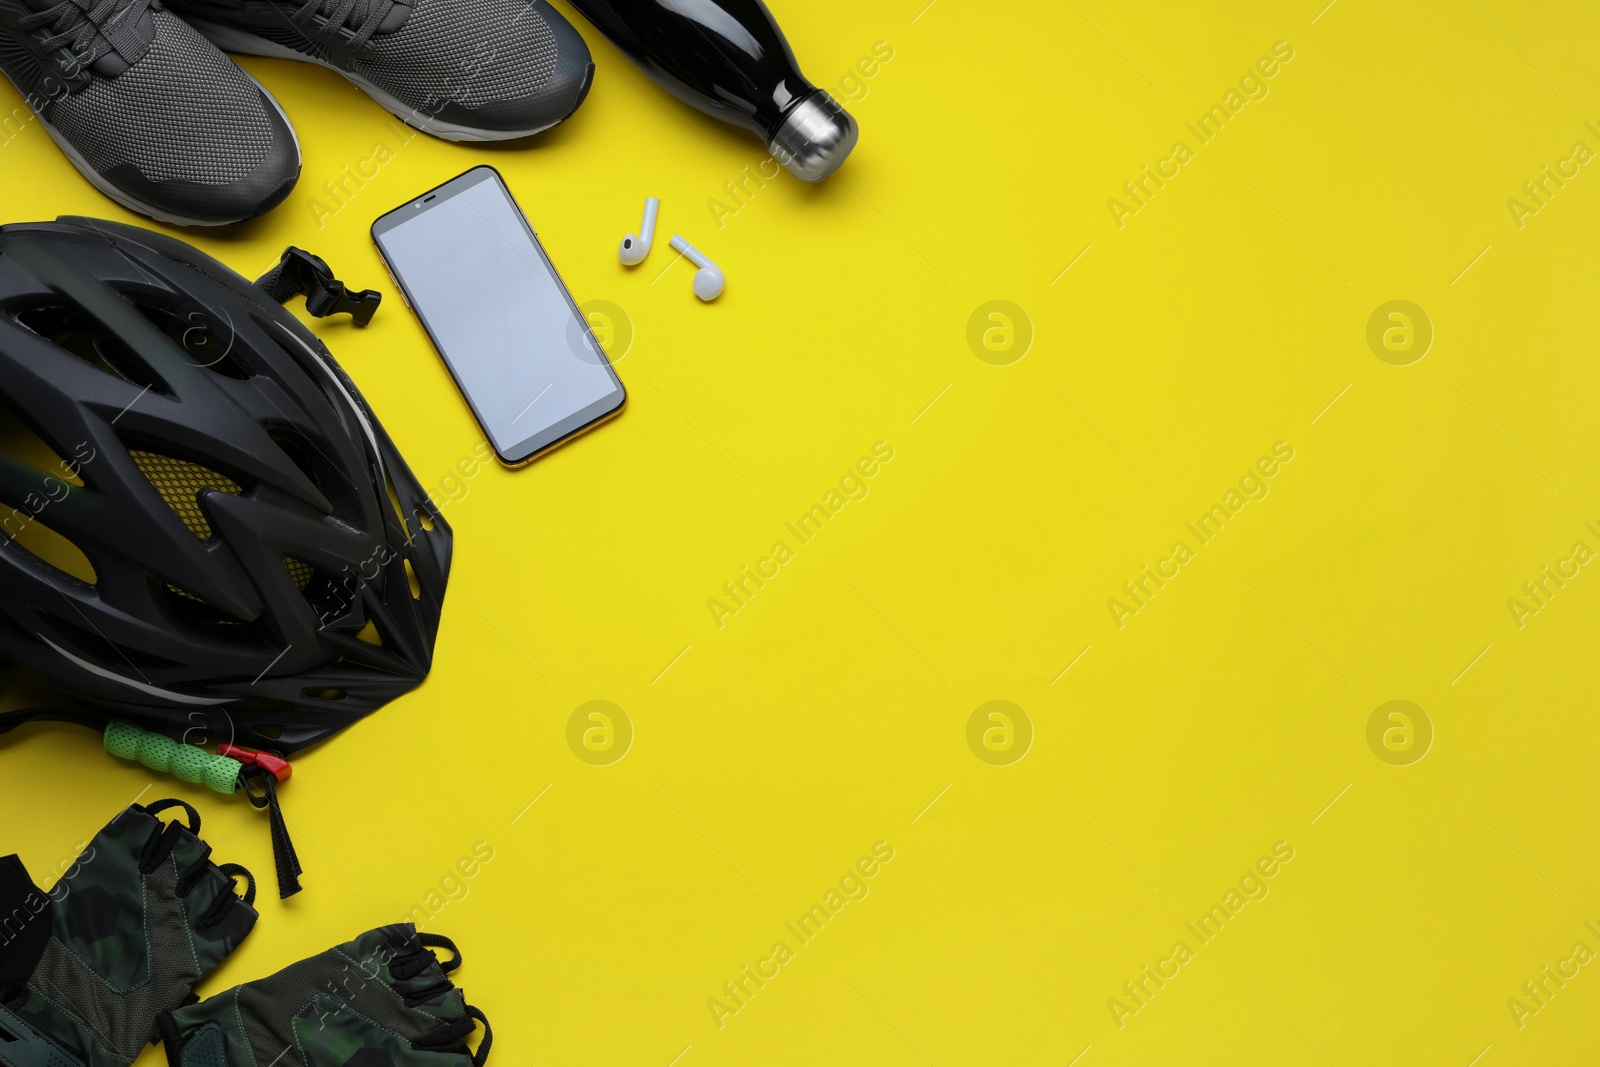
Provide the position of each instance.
(464, 70)
(148, 110)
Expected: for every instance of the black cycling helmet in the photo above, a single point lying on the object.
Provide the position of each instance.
(211, 529)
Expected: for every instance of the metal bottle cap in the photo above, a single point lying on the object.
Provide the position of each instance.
(815, 138)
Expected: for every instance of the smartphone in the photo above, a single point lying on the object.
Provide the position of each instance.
(470, 266)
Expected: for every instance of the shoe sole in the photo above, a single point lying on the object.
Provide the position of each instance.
(96, 179)
(243, 42)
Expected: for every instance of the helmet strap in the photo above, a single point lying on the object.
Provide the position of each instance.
(283, 854)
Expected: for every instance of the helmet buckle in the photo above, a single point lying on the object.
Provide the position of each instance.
(276, 766)
(300, 273)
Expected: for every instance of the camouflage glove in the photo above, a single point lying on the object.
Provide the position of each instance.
(126, 933)
(381, 1000)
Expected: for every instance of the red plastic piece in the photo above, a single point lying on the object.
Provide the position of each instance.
(276, 766)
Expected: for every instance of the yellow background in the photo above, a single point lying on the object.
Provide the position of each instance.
(830, 713)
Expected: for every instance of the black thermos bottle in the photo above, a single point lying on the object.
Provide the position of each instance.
(729, 59)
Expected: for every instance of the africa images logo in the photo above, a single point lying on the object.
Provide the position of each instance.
(1252, 887)
(853, 886)
(740, 590)
(1253, 485)
(1208, 127)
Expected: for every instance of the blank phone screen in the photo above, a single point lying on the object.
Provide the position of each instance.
(491, 301)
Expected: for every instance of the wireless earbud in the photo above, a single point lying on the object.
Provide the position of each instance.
(636, 246)
(708, 280)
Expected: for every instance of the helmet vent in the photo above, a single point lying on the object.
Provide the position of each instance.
(180, 483)
(399, 512)
(313, 462)
(24, 533)
(300, 572)
(197, 609)
(75, 333)
(21, 442)
(205, 341)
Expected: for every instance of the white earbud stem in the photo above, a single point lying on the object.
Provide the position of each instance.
(709, 280)
(636, 246)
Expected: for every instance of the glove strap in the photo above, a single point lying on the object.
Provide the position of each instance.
(451, 1037)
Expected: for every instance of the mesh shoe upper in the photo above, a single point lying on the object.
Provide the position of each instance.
(148, 110)
(463, 69)
(468, 51)
(184, 111)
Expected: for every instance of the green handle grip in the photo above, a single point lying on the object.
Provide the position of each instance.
(161, 753)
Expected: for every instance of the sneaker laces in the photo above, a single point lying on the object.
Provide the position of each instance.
(76, 28)
(362, 16)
